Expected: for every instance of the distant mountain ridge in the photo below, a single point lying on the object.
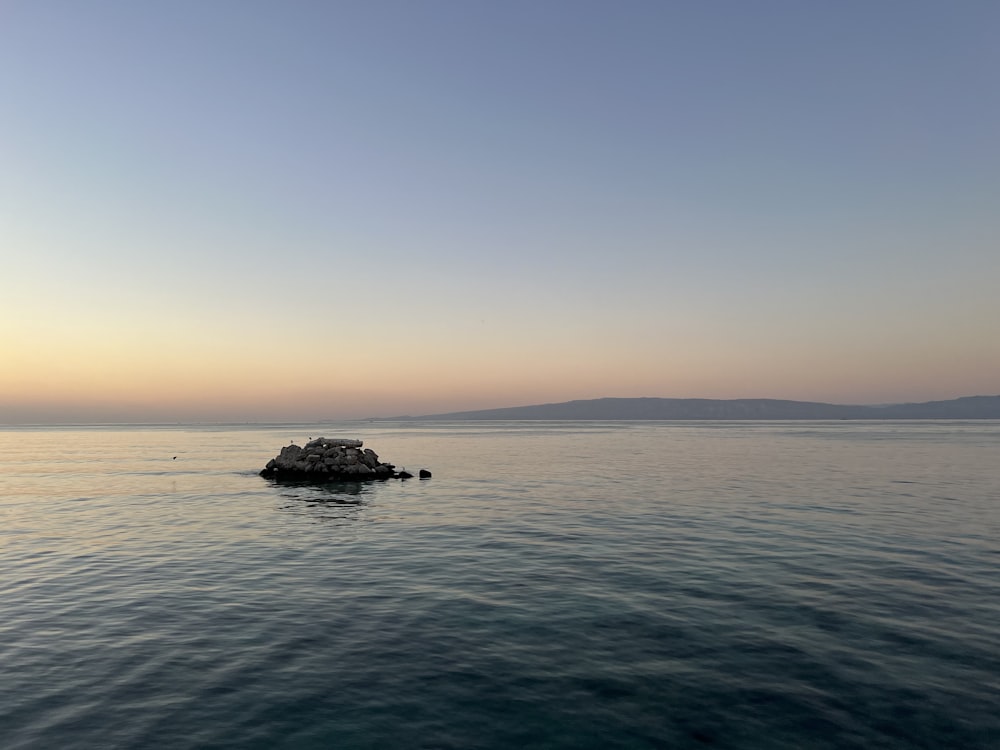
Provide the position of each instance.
(966, 407)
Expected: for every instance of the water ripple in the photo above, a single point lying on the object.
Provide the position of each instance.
(639, 586)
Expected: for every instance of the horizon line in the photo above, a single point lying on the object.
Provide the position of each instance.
(432, 416)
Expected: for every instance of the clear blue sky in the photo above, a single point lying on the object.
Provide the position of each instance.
(250, 210)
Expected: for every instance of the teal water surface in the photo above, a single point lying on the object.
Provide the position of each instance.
(554, 585)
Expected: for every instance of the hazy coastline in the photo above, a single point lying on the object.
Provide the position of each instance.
(967, 407)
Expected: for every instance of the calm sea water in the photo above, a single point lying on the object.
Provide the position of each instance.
(555, 585)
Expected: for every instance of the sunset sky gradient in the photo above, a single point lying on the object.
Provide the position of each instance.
(267, 211)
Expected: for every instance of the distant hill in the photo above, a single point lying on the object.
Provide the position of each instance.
(968, 407)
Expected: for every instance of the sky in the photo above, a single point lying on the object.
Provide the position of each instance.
(300, 211)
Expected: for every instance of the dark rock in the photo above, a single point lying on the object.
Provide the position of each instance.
(424, 474)
(405, 475)
(326, 460)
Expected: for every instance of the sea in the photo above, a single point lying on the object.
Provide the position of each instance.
(552, 585)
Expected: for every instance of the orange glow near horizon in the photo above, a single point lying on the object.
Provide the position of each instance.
(241, 381)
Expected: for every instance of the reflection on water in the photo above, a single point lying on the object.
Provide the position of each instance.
(329, 501)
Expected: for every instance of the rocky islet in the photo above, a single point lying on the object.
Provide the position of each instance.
(327, 459)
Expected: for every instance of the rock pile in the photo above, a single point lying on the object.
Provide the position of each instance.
(325, 459)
